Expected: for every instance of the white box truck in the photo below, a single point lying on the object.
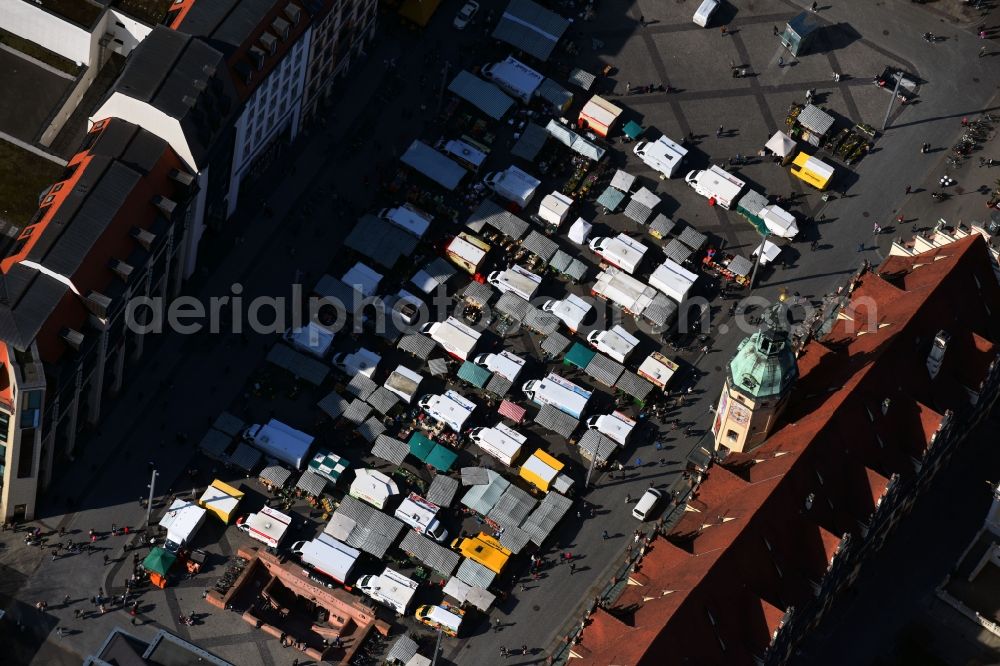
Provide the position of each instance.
(615, 426)
(622, 251)
(456, 338)
(516, 279)
(422, 516)
(451, 409)
(716, 184)
(408, 218)
(280, 441)
(267, 525)
(372, 486)
(362, 362)
(505, 364)
(181, 521)
(327, 556)
(514, 77)
(404, 382)
(571, 310)
(312, 338)
(561, 393)
(501, 442)
(616, 342)
(662, 155)
(390, 588)
(627, 292)
(513, 184)
(554, 208)
(673, 280)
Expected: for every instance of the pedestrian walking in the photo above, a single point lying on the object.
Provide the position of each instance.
(604, 535)
(776, 31)
(628, 87)
(524, 649)
(781, 61)
(718, 132)
(77, 613)
(496, 625)
(813, 245)
(55, 554)
(814, 6)
(628, 498)
(572, 568)
(106, 559)
(724, 31)
(982, 52)
(908, 189)
(642, 20)
(503, 652)
(861, 247)
(66, 600)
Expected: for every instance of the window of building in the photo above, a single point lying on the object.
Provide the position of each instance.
(731, 435)
(31, 409)
(49, 199)
(26, 460)
(4, 427)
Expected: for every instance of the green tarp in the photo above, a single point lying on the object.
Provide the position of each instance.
(632, 129)
(159, 561)
(421, 445)
(474, 374)
(579, 355)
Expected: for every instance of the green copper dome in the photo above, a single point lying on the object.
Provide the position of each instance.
(764, 365)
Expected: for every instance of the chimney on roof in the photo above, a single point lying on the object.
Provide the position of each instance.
(181, 177)
(121, 268)
(936, 355)
(72, 337)
(143, 237)
(98, 304)
(165, 205)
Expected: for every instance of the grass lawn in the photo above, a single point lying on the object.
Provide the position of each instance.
(23, 176)
(38, 53)
(147, 11)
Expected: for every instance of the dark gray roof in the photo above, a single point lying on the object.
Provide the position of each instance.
(531, 28)
(530, 143)
(391, 450)
(498, 385)
(637, 211)
(442, 490)
(382, 399)
(358, 411)
(552, 419)
(475, 574)
(374, 532)
(540, 246)
(370, 429)
(485, 96)
(402, 650)
(661, 311)
(514, 539)
(362, 386)
(555, 344)
(186, 79)
(634, 385)
(677, 251)
(554, 94)
(333, 404)
(419, 345)
(490, 213)
(477, 292)
(512, 507)
(604, 370)
(540, 321)
(593, 441)
(226, 23)
(693, 238)
(437, 557)
(576, 270)
(513, 306)
(582, 79)
(661, 225)
(546, 515)
(31, 297)
(381, 241)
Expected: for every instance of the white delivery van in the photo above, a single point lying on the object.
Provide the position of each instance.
(456, 338)
(716, 184)
(390, 588)
(501, 442)
(408, 218)
(571, 310)
(519, 280)
(404, 383)
(561, 393)
(704, 12)
(362, 362)
(327, 556)
(421, 515)
(452, 409)
(616, 342)
(615, 426)
(372, 486)
(554, 208)
(514, 77)
(267, 525)
(312, 338)
(181, 521)
(505, 364)
(513, 185)
(662, 155)
(469, 155)
(673, 280)
(622, 251)
(280, 441)
(647, 504)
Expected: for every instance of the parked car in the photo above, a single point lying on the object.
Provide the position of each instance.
(647, 504)
(465, 14)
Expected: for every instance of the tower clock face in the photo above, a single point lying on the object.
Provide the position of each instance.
(749, 381)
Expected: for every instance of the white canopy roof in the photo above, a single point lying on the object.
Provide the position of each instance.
(780, 144)
(771, 252)
(779, 221)
(580, 230)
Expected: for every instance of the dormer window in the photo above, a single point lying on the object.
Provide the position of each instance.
(270, 42)
(293, 13)
(280, 27)
(257, 57)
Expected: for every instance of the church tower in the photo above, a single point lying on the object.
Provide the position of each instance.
(758, 383)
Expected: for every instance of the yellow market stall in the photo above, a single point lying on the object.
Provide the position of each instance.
(812, 171)
(545, 473)
(483, 549)
(222, 499)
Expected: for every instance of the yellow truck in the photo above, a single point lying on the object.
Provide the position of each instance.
(812, 171)
(484, 550)
(223, 500)
(445, 617)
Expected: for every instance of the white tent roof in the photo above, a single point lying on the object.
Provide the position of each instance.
(780, 144)
(771, 252)
(779, 221)
(580, 230)
(363, 277)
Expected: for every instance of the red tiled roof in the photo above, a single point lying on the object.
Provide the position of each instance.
(765, 526)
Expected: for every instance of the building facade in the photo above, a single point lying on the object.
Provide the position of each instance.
(111, 229)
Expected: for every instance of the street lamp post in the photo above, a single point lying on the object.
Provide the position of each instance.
(756, 264)
(152, 490)
(892, 100)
